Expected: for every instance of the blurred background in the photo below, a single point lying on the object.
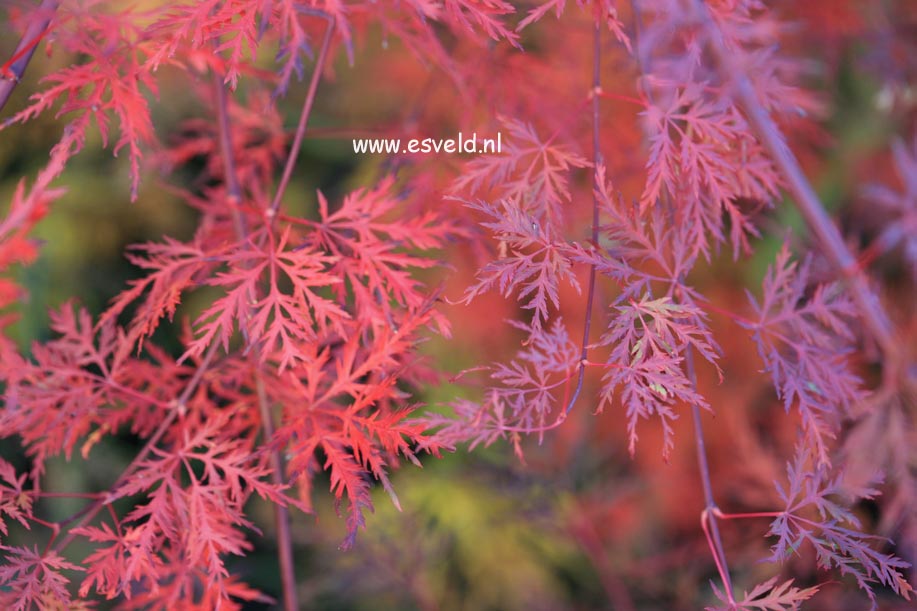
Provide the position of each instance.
(580, 524)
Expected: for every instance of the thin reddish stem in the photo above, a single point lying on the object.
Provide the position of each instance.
(6, 70)
(224, 133)
(16, 66)
(743, 516)
(464, 372)
(52, 525)
(708, 525)
(303, 120)
(55, 531)
(535, 429)
(731, 315)
(569, 375)
(281, 514)
(596, 162)
(708, 516)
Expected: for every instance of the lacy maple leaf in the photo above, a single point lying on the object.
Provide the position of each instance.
(33, 580)
(532, 172)
(523, 397)
(804, 337)
(814, 514)
(767, 596)
(533, 261)
(108, 87)
(648, 339)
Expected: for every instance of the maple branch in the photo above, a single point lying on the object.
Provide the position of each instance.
(711, 511)
(90, 511)
(707, 524)
(596, 162)
(281, 514)
(224, 134)
(745, 516)
(708, 516)
(303, 120)
(14, 69)
(804, 196)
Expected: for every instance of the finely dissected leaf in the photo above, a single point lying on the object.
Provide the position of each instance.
(375, 256)
(524, 395)
(279, 319)
(535, 14)
(77, 385)
(27, 207)
(768, 596)
(486, 15)
(648, 340)
(172, 267)
(803, 338)
(33, 580)
(534, 261)
(347, 479)
(691, 161)
(275, 322)
(15, 501)
(816, 514)
(532, 173)
(227, 29)
(643, 249)
(344, 406)
(704, 160)
(107, 85)
(202, 520)
(557, 6)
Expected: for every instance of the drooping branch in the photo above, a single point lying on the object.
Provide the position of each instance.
(224, 133)
(711, 512)
(281, 514)
(303, 119)
(596, 163)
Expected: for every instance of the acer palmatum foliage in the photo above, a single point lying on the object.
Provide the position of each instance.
(711, 85)
(615, 195)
